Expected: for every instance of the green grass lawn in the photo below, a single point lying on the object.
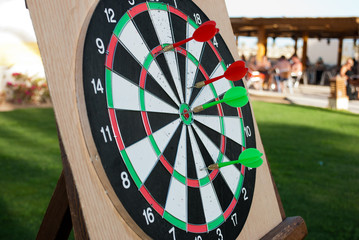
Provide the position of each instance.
(313, 154)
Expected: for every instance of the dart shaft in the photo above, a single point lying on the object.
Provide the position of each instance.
(213, 79)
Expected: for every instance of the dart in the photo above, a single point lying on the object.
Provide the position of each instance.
(236, 71)
(234, 97)
(250, 157)
(203, 33)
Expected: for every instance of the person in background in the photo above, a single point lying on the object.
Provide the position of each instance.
(345, 73)
(264, 67)
(283, 69)
(319, 69)
(297, 70)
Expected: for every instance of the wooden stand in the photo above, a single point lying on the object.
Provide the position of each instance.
(338, 98)
(64, 213)
(80, 198)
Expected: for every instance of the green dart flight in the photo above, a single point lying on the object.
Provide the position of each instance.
(234, 97)
(250, 157)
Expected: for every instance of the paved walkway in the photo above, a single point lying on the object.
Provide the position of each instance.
(309, 95)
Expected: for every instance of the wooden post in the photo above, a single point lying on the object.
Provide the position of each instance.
(261, 45)
(305, 47)
(340, 52)
(295, 45)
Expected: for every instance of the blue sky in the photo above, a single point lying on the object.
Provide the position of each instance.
(287, 8)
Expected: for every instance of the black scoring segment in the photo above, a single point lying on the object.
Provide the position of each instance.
(204, 152)
(160, 120)
(191, 167)
(211, 134)
(153, 87)
(195, 206)
(233, 149)
(181, 28)
(196, 91)
(131, 126)
(209, 60)
(145, 27)
(158, 182)
(162, 62)
(170, 152)
(223, 191)
(121, 59)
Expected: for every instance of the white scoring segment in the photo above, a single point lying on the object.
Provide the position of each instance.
(212, 122)
(205, 95)
(164, 135)
(157, 74)
(232, 126)
(221, 85)
(233, 129)
(176, 203)
(162, 25)
(154, 104)
(231, 175)
(211, 207)
(125, 93)
(191, 70)
(126, 97)
(194, 47)
(181, 156)
(197, 156)
(143, 157)
(132, 40)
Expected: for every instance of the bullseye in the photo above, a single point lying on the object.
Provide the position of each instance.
(186, 114)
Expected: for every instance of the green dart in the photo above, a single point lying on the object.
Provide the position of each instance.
(234, 97)
(250, 157)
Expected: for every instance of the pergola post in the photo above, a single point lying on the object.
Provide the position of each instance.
(262, 43)
(305, 49)
(340, 53)
(295, 45)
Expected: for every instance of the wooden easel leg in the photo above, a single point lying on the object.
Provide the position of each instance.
(56, 223)
(291, 228)
(64, 210)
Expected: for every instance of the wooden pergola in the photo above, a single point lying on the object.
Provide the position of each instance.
(295, 28)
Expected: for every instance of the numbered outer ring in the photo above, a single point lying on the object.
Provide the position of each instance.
(152, 148)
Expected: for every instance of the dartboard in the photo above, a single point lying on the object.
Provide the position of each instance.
(153, 149)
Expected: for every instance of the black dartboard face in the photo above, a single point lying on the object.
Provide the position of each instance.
(153, 150)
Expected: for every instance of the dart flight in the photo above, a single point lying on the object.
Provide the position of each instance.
(234, 97)
(250, 157)
(236, 71)
(203, 33)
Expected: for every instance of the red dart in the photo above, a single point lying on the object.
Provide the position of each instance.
(203, 33)
(236, 71)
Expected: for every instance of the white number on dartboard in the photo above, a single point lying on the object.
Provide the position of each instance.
(234, 219)
(215, 43)
(100, 46)
(172, 230)
(132, 2)
(106, 133)
(150, 218)
(110, 14)
(125, 181)
(219, 233)
(244, 191)
(97, 87)
(248, 132)
(198, 238)
(197, 18)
